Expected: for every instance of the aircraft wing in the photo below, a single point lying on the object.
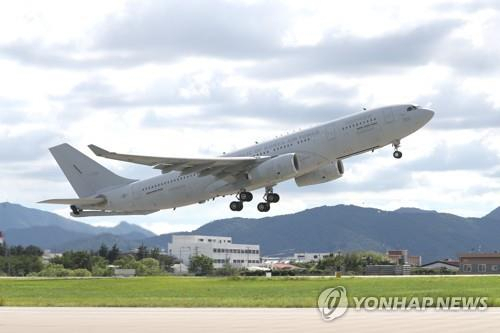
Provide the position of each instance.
(217, 166)
(76, 202)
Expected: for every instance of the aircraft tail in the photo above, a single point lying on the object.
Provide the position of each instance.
(86, 176)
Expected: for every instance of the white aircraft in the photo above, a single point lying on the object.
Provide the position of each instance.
(311, 156)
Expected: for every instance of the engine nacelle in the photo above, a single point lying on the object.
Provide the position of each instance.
(331, 171)
(276, 169)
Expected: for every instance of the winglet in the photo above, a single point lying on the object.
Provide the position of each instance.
(98, 151)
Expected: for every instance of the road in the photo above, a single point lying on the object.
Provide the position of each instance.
(145, 320)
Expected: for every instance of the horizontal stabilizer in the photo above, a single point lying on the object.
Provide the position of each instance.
(87, 213)
(77, 202)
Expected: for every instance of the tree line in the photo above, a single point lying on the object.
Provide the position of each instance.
(27, 261)
(19, 260)
(350, 262)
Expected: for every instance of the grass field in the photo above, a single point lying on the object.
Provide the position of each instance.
(230, 292)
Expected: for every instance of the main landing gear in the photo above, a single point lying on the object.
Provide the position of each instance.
(269, 198)
(397, 154)
(76, 210)
(243, 196)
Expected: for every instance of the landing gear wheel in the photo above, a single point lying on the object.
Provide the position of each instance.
(236, 206)
(272, 197)
(75, 210)
(263, 207)
(245, 196)
(397, 154)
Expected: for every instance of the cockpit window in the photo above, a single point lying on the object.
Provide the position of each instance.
(411, 108)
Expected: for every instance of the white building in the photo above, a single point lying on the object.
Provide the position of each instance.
(1, 238)
(220, 249)
(310, 256)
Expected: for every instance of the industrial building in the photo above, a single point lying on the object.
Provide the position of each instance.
(401, 257)
(220, 249)
(480, 263)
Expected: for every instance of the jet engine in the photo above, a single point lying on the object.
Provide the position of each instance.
(326, 173)
(275, 169)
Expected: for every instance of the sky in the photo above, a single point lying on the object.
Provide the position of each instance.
(199, 78)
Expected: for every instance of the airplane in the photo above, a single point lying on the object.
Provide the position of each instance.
(311, 156)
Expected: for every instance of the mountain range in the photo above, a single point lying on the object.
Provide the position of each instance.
(430, 234)
(28, 226)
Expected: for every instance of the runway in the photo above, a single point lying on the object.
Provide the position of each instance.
(124, 320)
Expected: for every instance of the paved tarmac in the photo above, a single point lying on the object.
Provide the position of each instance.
(144, 320)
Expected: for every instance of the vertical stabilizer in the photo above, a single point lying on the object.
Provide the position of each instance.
(86, 176)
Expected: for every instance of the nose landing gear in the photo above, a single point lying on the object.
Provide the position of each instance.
(397, 154)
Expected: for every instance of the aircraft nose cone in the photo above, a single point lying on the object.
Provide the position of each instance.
(427, 115)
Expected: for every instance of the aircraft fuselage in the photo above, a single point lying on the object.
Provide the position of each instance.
(314, 148)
